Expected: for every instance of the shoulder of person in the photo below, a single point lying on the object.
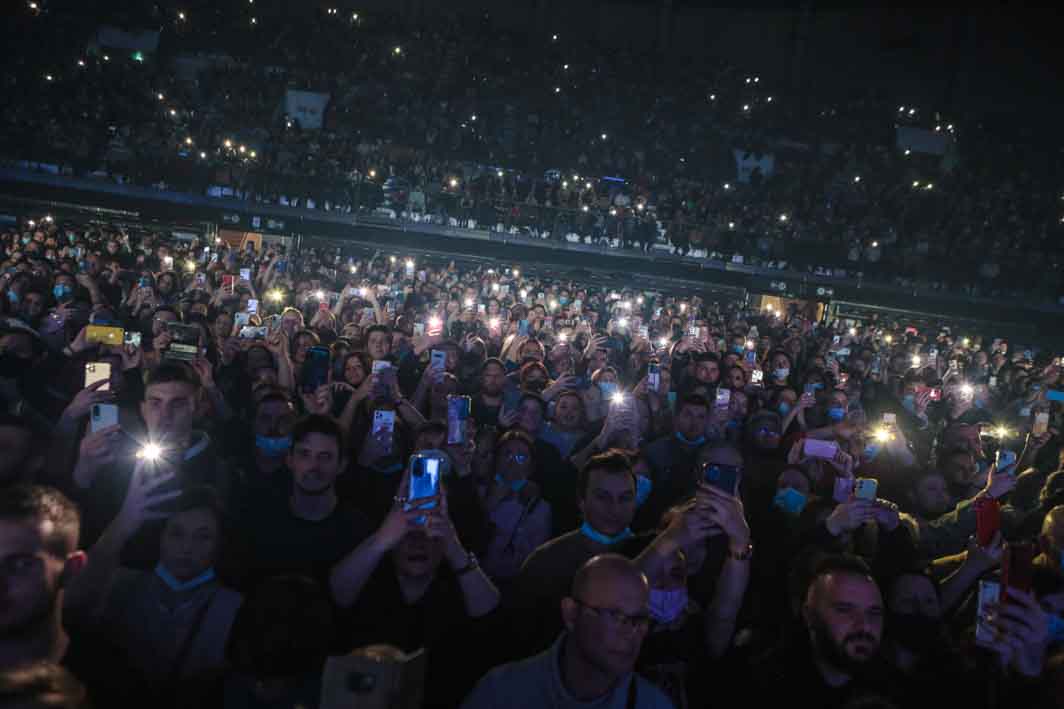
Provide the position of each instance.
(648, 696)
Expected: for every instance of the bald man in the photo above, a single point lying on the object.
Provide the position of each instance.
(1051, 540)
(592, 663)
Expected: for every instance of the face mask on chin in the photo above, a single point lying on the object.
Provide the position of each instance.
(666, 606)
(273, 446)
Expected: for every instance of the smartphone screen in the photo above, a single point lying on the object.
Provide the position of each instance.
(653, 376)
(865, 489)
(97, 372)
(722, 477)
(315, 369)
(103, 416)
(424, 482)
(820, 449)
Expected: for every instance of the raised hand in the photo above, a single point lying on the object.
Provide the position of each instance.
(725, 511)
(145, 492)
(84, 400)
(850, 515)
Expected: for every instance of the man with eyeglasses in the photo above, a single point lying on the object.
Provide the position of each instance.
(592, 662)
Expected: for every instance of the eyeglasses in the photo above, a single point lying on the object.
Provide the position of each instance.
(618, 619)
(519, 458)
(713, 471)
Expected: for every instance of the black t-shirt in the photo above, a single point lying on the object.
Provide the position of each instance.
(382, 615)
(276, 542)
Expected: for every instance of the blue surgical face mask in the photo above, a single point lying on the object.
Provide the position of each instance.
(784, 408)
(273, 446)
(608, 389)
(563, 299)
(26, 240)
(781, 374)
(666, 606)
(836, 413)
(62, 291)
(689, 442)
(790, 501)
(515, 485)
(588, 531)
(981, 404)
(177, 586)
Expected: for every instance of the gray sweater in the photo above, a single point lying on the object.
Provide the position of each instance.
(536, 683)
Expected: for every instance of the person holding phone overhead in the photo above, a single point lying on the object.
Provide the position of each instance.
(413, 584)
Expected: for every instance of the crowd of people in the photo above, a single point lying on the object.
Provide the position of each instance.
(232, 475)
(458, 122)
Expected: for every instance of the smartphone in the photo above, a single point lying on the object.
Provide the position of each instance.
(458, 408)
(380, 365)
(253, 305)
(241, 319)
(383, 421)
(201, 279)
(1017, 567)
(723, 398)
(245, 274)
(865, 489)
(425, 470)
(168, 263)
(820, 449)
(1041, 424)
(936, 394)
(522, 328)
(890, 419)
(131, 339)
(252, 333)
(694, 332)
(722, 477)
(98, 372)
(315, 369)
(105, 335)
(103, 416)
(184, 343)
(654, 376)
(1054, 395)
(987, 519)
(1004, 459)
(989, 595)
(229, 284)
(751, 357)
(439, 360)
(419, 329)
(757, 377)
(843, 490)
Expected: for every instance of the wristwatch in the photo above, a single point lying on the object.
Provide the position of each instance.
(471, 565)
(744, 555)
